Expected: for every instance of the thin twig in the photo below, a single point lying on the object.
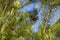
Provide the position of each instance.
(5, 7)
(24, 4)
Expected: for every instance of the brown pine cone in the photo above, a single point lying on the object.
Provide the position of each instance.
(33, 17)
(12, 27)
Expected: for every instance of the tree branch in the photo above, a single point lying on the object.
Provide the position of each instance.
(24, 4)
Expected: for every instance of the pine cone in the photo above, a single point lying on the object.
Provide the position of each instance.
(12, 27)
(33, 17)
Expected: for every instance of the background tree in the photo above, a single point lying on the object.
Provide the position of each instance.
(46, 32)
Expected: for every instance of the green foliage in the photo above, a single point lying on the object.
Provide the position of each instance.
(13, 25)
(56, 28)
(52, 32)
(53, 3)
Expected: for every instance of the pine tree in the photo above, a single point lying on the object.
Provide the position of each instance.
(45, 31)
(14, 25)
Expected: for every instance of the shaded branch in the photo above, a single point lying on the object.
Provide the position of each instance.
(5, 7)
(24, 4)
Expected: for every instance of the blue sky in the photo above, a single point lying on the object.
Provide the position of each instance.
(37, 5)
